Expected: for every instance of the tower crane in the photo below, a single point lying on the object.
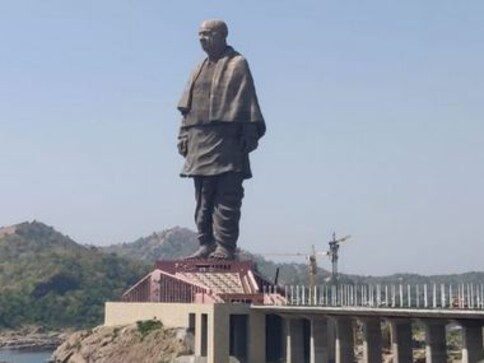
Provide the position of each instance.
(333, 254)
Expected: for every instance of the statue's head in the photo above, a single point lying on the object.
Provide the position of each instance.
(213, 37)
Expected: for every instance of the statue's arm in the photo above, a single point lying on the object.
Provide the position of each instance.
(249, 137)
(182, 143)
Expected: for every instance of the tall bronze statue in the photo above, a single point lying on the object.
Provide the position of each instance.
(221, 124)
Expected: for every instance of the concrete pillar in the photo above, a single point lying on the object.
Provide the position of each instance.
(218, 335)
(257, 337)
(472, 349)
(344, 340)
(372, 346)
(435, 341)
(331, 340)
(401, 331)
(199, 333)
(294, 340)
(318, 349)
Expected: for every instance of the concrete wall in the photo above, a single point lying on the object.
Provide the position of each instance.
(172, 315)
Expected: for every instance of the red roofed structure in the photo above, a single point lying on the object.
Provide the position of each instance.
(203, 281)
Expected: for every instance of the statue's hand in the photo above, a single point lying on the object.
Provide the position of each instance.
(249, 143)
(182, 146)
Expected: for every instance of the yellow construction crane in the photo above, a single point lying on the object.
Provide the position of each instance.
(311, 258)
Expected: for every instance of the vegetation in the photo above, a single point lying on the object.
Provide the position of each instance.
(48, 279)
(147, 326)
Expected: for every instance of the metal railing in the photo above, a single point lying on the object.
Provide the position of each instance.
(469, 296)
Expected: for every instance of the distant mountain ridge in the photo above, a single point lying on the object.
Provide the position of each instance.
(170, 244)
(178, 242)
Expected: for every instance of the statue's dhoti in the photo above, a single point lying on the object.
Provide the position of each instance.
(217, 212)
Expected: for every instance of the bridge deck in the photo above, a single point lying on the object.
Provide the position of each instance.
(362, 312)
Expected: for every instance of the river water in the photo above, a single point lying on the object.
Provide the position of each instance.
(12, 356)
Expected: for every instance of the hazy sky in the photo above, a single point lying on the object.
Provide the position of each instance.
(374, 110)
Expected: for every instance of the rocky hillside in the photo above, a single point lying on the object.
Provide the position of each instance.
(46, 278)
(145, 341)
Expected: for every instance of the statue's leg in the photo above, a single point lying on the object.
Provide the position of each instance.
(205, 187)
(226, 215)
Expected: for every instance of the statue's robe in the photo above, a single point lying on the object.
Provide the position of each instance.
(219, 107)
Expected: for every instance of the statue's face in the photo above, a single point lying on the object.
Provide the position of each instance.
(211, 38)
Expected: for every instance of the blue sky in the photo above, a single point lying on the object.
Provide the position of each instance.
(374, 111)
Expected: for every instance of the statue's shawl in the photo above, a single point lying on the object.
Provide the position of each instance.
(232, 95)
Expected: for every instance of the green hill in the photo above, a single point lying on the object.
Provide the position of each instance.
(170, 244)
(47, 278)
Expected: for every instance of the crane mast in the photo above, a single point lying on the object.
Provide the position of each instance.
(333, 253)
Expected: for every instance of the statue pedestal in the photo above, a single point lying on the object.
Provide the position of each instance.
(203, 281)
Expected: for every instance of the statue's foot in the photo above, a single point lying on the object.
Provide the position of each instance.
(203, 252)
(222, 253)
